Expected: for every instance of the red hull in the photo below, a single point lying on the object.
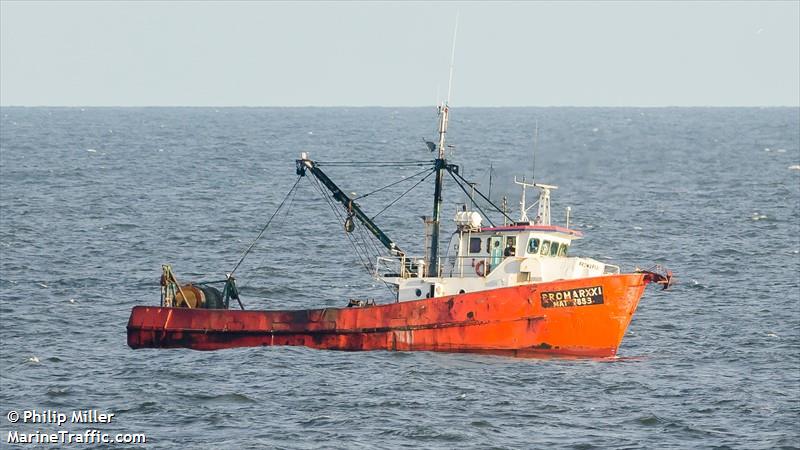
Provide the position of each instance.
(585, 317)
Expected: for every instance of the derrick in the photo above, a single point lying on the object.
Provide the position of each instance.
(353, 209)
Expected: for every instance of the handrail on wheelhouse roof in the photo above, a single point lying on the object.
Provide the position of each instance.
(542, 228)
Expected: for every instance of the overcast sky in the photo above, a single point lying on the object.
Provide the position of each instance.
(397, 54)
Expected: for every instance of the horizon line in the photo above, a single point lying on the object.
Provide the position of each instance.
(398, 106)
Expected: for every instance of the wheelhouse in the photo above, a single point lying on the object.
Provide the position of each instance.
(519, 240)
(479, 258)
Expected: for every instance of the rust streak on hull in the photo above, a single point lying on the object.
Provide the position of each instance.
(513, 321)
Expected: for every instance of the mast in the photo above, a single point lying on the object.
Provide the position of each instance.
(523, 209)
(440, 165)
(543, 216)
(544, 202)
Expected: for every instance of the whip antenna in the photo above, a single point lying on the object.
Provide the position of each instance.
(535, 145)
(491, 170)
(452, 61)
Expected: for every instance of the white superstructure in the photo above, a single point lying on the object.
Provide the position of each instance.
(481, 258)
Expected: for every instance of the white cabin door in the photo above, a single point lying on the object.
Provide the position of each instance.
(496, 251)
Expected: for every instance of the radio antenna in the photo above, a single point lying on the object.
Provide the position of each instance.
(535, 145)
(452, 61)
(491, 169)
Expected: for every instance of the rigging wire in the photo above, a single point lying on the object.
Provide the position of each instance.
(362, 249)
(336, 211)
(369, 239)
(362, 253)
(369, 246)
(476, 204)
(374, 163)
(263, 229)
(404, 193)
(280, 220)
(455, 174)
(392, 184)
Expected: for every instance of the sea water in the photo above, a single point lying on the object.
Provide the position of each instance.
(94, 200)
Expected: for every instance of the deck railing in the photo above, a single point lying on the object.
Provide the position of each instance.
(402, 267)
(450, 266)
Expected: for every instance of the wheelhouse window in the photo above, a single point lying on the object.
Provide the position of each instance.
(546, 248)
(511, 246)
(562, 250)
(475, 245)
(533, 246)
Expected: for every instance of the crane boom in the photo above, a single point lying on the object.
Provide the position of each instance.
(304, 164)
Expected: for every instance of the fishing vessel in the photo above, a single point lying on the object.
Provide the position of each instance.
(512, 288)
